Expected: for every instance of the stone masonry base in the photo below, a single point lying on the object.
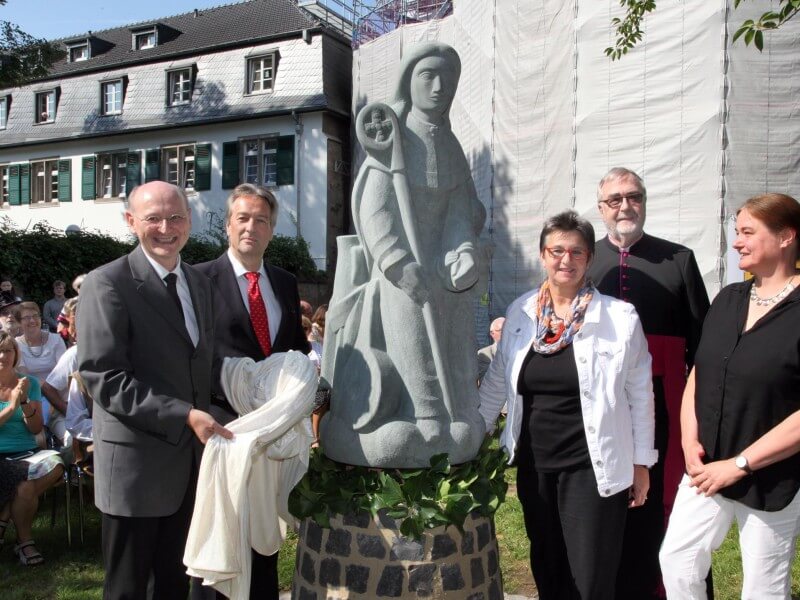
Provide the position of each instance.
(364, 558)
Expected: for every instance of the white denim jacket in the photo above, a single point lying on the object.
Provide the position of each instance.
(614, 377)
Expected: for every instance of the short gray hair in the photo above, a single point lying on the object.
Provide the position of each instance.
(565, 222)
(616, 174)
(259, 191)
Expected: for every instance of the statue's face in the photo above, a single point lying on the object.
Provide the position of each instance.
(432, 84)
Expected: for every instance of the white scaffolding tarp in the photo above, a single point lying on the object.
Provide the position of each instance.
(542, 114)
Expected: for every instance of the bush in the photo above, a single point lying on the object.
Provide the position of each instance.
(35, 257)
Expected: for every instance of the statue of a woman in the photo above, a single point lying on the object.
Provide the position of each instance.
(399, 354)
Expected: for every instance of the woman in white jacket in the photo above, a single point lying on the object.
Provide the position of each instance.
(574, 369)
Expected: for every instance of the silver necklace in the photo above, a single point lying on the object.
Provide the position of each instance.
(787, 289)
(43, 335)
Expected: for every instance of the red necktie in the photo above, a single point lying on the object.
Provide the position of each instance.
(258, 313)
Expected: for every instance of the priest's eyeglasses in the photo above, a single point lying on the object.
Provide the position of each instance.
(576, 254)
(615, 200)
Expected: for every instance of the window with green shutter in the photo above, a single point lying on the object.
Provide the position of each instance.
(202, 165)
(134, 175)
(13, 185)
(152, 159)
(87, 178)
(285, 160)
(230, 165)
(25, 183)
(65, 180)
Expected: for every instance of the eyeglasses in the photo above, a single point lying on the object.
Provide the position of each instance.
(30, 318)
(576, 254)
(154, 221)
(615, 200)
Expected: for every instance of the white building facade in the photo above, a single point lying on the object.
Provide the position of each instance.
(253, 92)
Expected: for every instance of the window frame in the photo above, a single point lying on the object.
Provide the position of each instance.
(277, 165)
(141, 33)
(118, 172)
(103, 107)
(249, 79)
(4, 181)
(182, 165)
(41, 94)
(171, 79)
(83, 45)
(48, 188)
(4, 103)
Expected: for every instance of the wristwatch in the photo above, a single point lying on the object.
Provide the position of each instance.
(741, 462)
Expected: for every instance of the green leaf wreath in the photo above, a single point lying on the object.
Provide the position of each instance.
(417, 499)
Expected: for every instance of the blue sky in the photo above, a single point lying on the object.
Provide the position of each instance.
(61, 18)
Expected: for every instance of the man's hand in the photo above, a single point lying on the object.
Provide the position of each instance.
(204, 426)
(641, 485)
(715, 476)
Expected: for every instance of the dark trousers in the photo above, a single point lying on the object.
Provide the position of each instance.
(575, 534)
(138, 549)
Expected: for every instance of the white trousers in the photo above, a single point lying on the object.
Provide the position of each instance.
(698, 526)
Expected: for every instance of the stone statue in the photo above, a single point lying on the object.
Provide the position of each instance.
(399, 354)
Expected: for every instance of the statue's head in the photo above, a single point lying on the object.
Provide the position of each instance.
(428, 79)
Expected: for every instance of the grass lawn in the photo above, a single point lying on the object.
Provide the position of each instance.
(74, 573)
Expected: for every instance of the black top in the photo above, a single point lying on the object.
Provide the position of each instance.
(746, 383)
(661, 279)
(552, 433)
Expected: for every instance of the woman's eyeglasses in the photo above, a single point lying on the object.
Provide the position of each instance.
(577, 254)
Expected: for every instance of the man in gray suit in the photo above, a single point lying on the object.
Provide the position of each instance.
(146, 331)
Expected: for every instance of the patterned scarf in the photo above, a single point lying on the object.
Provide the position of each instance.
(552, 332)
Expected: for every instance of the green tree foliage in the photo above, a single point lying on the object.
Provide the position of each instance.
(629, 28)
(24, 57)
(35, 257)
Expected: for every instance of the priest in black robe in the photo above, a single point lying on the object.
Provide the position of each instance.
(662, 280)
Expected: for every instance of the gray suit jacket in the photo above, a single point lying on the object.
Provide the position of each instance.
(485, 358)
(144, 375)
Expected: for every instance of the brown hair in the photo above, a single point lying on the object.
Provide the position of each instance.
(777, 212)
(565, 222)
(26, 306)
(6, 337)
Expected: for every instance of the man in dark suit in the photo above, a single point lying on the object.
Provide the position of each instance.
(257, 313)
(146, 330)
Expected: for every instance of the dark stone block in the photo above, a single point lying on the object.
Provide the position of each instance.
(406, 549)
(468, 543)
(495, 593)
(476, 570)
(307, 568)
(491, 560)
(338, 542)
(313, 536)
(420, 579)
(356, 578)
(443, 545)
(370, 546)
(306, 594)
(329, 572)
(478, 596)
(360, 519)
(391, 582)
(386, 521)
(451, 578)
(483, 535)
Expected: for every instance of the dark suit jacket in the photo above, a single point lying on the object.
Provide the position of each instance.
(233, 331)
(144, 375)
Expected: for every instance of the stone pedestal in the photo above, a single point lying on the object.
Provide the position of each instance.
(361, 557)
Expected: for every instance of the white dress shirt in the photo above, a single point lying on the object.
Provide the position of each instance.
(270, 300)
(189, 318)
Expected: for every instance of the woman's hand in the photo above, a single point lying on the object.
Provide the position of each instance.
(641, 485)
(20, 392)
(693, 453)
(715, 476)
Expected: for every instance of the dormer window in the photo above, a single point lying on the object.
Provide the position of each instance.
(78, 52)
(46, 105)
(145, 39)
